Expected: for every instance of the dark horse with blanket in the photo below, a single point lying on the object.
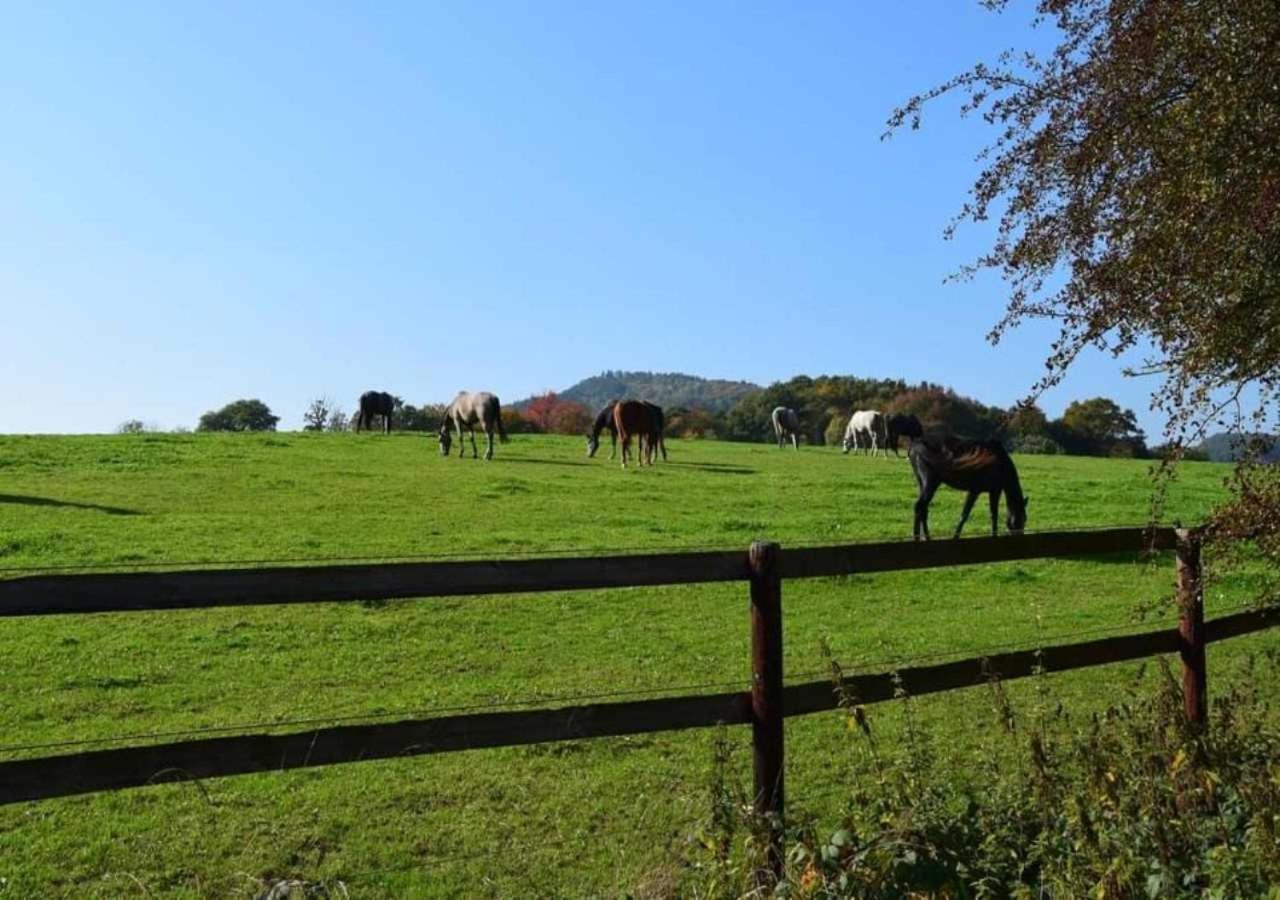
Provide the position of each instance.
(375, 403)
(979, 467)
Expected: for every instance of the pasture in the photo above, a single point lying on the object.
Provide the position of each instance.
(610, 816)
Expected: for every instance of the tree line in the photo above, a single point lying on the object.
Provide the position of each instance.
(1096, 426)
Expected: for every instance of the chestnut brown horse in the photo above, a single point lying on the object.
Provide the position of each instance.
(636, 418)
(604, 422)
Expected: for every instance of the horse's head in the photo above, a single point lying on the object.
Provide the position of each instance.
(1016, 515)
(593, 444)
(847, 444)
(446, 439)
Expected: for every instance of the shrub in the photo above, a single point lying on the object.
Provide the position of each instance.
(1035, 443)
(1133, 803)
(240, 415)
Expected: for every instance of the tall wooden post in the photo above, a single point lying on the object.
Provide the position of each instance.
(1195, 698)
(766, 694)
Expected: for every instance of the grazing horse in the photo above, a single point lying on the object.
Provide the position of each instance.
(634, 417)
(979, 467)
(866, 426)
(786, 424)
(467, 410)
(375, 403)
(907, 426)
(604, 420)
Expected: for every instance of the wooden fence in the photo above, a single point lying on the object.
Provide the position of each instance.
(763, 706)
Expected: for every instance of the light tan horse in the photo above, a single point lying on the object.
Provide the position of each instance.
(467, 410)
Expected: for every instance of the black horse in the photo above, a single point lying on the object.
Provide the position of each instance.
(604, 422)
(375, 403)
(907, 426)
(979, 467)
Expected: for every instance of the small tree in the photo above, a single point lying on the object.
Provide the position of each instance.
(316, 418)
(132, 426)
(239, 415)
(1099, 427)
(338, 420)
(539, 410)
(568, 417)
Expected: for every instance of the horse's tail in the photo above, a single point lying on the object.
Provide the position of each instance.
(502, 432)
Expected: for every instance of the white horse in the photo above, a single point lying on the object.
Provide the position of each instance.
(786, 424)
(866, 426)
(468, 409)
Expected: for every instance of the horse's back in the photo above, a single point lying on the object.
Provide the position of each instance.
(633, 417)
(475, 403)
(962, 463)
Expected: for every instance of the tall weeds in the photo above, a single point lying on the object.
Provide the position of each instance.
(1130, 802)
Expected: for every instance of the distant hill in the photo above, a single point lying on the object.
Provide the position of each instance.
(1224, 447)
(668, 389)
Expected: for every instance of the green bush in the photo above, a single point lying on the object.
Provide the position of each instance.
(1137, 803)
(1035, 443)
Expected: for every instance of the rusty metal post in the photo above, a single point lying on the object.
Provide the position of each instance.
(1195, 697)
(766, 694)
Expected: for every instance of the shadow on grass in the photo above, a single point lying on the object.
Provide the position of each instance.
(542, 462)
(716, 468)
(48, 501)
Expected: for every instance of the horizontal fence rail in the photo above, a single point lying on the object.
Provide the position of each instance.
(98, 770)
(149, 591)
(763, 705)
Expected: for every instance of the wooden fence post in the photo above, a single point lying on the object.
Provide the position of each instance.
(766, 694)
(1191, 626)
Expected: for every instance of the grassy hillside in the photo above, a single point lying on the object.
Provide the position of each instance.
(603, 817)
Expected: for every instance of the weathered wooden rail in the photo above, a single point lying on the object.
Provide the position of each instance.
(763, 704)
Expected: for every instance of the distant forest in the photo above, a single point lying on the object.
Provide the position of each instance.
(740, 411)
(672, 389)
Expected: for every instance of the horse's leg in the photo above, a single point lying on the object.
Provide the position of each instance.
(471, 430)
(995, 513)
(626, 447)
(488, 433)
(613, 442)
(969, 499)
(927, 490)
(462, 447)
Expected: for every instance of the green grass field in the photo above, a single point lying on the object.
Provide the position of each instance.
(604, 817)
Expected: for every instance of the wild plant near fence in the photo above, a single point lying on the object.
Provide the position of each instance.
(1135, 801)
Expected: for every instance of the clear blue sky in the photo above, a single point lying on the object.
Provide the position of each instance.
(211, 201)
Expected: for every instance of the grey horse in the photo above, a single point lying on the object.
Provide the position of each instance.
(786, 424)
(866, 427)
(468, 409)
